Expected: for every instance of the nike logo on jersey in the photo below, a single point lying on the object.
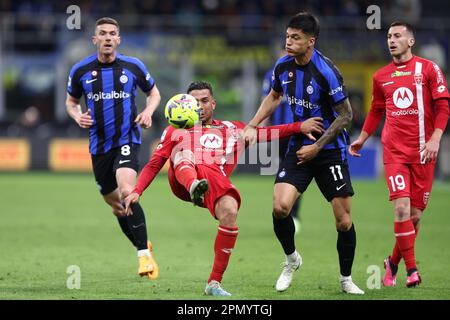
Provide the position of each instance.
(123, 161)
(339, 188)
(92, 80)
(286, 82)
(139, 225)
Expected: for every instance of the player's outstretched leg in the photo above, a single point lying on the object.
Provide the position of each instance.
(197, 191)
(186, 175)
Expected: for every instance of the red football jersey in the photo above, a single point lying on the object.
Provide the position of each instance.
(407, 93)
(217, 146)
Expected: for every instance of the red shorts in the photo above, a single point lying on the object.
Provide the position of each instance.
(413, 181)
(219, 186)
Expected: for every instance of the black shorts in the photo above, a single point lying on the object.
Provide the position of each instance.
(328, 169)
(105, 165)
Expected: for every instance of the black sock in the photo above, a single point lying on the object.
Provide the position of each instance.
(346, 244)
(285, 230)
(123, 222)
(137, 226)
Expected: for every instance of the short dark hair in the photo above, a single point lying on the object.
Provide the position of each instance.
(306, 22)
(407, 25)
(200, 85)
(107, 20)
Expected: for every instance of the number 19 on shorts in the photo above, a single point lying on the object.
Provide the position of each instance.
(397, 182)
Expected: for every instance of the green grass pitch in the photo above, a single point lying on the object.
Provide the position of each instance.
(52, 221)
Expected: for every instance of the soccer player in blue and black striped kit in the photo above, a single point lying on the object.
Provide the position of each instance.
(313, 87)
(109, 81)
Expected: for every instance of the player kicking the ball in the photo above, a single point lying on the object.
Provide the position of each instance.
(201, 161)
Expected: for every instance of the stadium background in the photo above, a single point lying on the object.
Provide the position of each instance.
(230, 43)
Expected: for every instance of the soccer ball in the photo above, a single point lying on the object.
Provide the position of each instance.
(182, 111)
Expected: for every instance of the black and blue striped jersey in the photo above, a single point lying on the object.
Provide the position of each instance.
(311, 91)
(110, 91)
(282, 113)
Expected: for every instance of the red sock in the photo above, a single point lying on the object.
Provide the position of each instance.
(225, 240)
(396, 255)
(186, 174)
(405, 237)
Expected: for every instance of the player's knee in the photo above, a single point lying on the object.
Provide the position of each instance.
(118, 210)
(183, 156)
(344, 224)
(228, 214)
(281, 209)
(402, 211)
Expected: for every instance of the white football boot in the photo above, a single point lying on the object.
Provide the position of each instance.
(285, 279)
(347, 285)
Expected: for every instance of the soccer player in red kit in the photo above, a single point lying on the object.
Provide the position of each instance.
(413, 93)
(201, 161)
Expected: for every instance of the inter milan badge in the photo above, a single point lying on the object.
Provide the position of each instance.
(123, 79)
(282, 174)
(309, 89)
(291, 74)
(94, 73)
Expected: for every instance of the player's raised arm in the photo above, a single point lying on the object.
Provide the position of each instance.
(268, 105)
(73, 108)
(144, 119)
(307, 127)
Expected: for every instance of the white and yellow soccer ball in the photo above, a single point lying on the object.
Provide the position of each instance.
(182, 111)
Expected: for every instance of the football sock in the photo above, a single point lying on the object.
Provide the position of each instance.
(292, 257)
(346, 244)
(137, 225)
(396, 254)
(123, 222)
(224, 244)
(185, 174)
(285, 230)
(405, 236)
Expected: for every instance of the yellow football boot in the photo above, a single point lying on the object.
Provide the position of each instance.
(148, 265)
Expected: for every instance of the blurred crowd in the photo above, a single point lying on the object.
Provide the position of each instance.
(343, 8)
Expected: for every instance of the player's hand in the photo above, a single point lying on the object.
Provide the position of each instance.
(312, 125)
(250, 133)
(144, 119)
(307, 153)
(429, 151)
(131, 198)
(85, 120)
(355, 147)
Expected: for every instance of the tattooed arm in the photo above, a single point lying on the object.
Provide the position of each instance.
(344, 111)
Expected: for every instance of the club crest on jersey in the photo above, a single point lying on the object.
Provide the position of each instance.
(123, 79)
(403, 98)
(94, 73)
(418, 78)
(211, 141)
(291, 74)
(309, 89)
